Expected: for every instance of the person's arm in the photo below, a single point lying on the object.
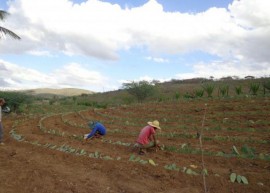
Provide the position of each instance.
(94, 130)
(155, 140)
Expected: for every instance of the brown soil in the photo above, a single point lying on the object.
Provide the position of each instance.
(31, 166)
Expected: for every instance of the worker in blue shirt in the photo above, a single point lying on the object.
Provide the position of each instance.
(98, 130)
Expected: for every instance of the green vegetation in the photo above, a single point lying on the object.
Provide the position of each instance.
(266, 86)
(254, 88)
(141, 90)
(177, 95)
(238, 90)
(172, 167)
(199, 93)
(17, 101)
(209, 89)
(238, 178)
(135, 92)
(224, 90)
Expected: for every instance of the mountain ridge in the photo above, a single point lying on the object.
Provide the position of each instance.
(59, 92)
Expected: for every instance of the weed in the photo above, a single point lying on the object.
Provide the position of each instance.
(248, 151)
(177, 95)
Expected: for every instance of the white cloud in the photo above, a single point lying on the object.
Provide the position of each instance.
(100, 29)
(158, 60)
(251, 13)
(72, 75)
(239, 34)
(40, 53)
(219, 69)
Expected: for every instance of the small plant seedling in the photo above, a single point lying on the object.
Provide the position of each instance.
(204, 172)
(239, 178)
(191, 172)
(235, 150)
(132, 157)
(107, 158)
(152, 162)
(172, 167)
(244, 179)
(233, 177)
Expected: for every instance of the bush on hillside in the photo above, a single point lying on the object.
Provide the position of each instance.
(16, 101)
(141, 90)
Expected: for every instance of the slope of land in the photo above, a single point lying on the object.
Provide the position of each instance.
(46, 154)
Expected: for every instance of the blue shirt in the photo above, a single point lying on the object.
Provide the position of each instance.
(98, 128)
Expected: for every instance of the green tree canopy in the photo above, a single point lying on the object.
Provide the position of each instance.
(141, 90)
(15, 100)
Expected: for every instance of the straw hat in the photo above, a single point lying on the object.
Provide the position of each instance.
(155, 124)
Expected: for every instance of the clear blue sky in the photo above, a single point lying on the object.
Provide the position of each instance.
(99, 44)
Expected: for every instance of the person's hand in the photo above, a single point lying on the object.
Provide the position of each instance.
(157, 147)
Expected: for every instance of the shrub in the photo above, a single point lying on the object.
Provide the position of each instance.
(238, 90)
(16, 100)
(224, 90)
(141, 90)
(177, 95)
(188, 95)
(209, 89)
(199, 93)
(254, 88)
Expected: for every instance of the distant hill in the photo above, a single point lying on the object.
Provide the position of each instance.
(64, 92)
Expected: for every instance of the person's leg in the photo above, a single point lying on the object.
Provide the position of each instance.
(143, 148)
(151, 144)
(1, 133)
(97, 135)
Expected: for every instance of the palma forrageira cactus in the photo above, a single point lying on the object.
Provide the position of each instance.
(238, 90)
(223, 90)
(209, 89)
(254, 88)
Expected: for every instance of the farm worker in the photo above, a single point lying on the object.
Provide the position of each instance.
(2, 102)
(97, 130)
(147, 137)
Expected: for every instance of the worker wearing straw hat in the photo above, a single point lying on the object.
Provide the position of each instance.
(147, 137)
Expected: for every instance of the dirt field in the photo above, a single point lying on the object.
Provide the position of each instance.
(45, 154)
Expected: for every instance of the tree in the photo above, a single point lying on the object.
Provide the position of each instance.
(16, 100)
(5, 31)
(141, 90)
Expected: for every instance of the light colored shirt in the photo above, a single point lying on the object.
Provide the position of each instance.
(0, 113)
(145, 135)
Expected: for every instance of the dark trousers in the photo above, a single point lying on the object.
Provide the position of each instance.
(1, 132)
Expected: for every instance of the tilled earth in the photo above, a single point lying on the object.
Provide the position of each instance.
(46, 155)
